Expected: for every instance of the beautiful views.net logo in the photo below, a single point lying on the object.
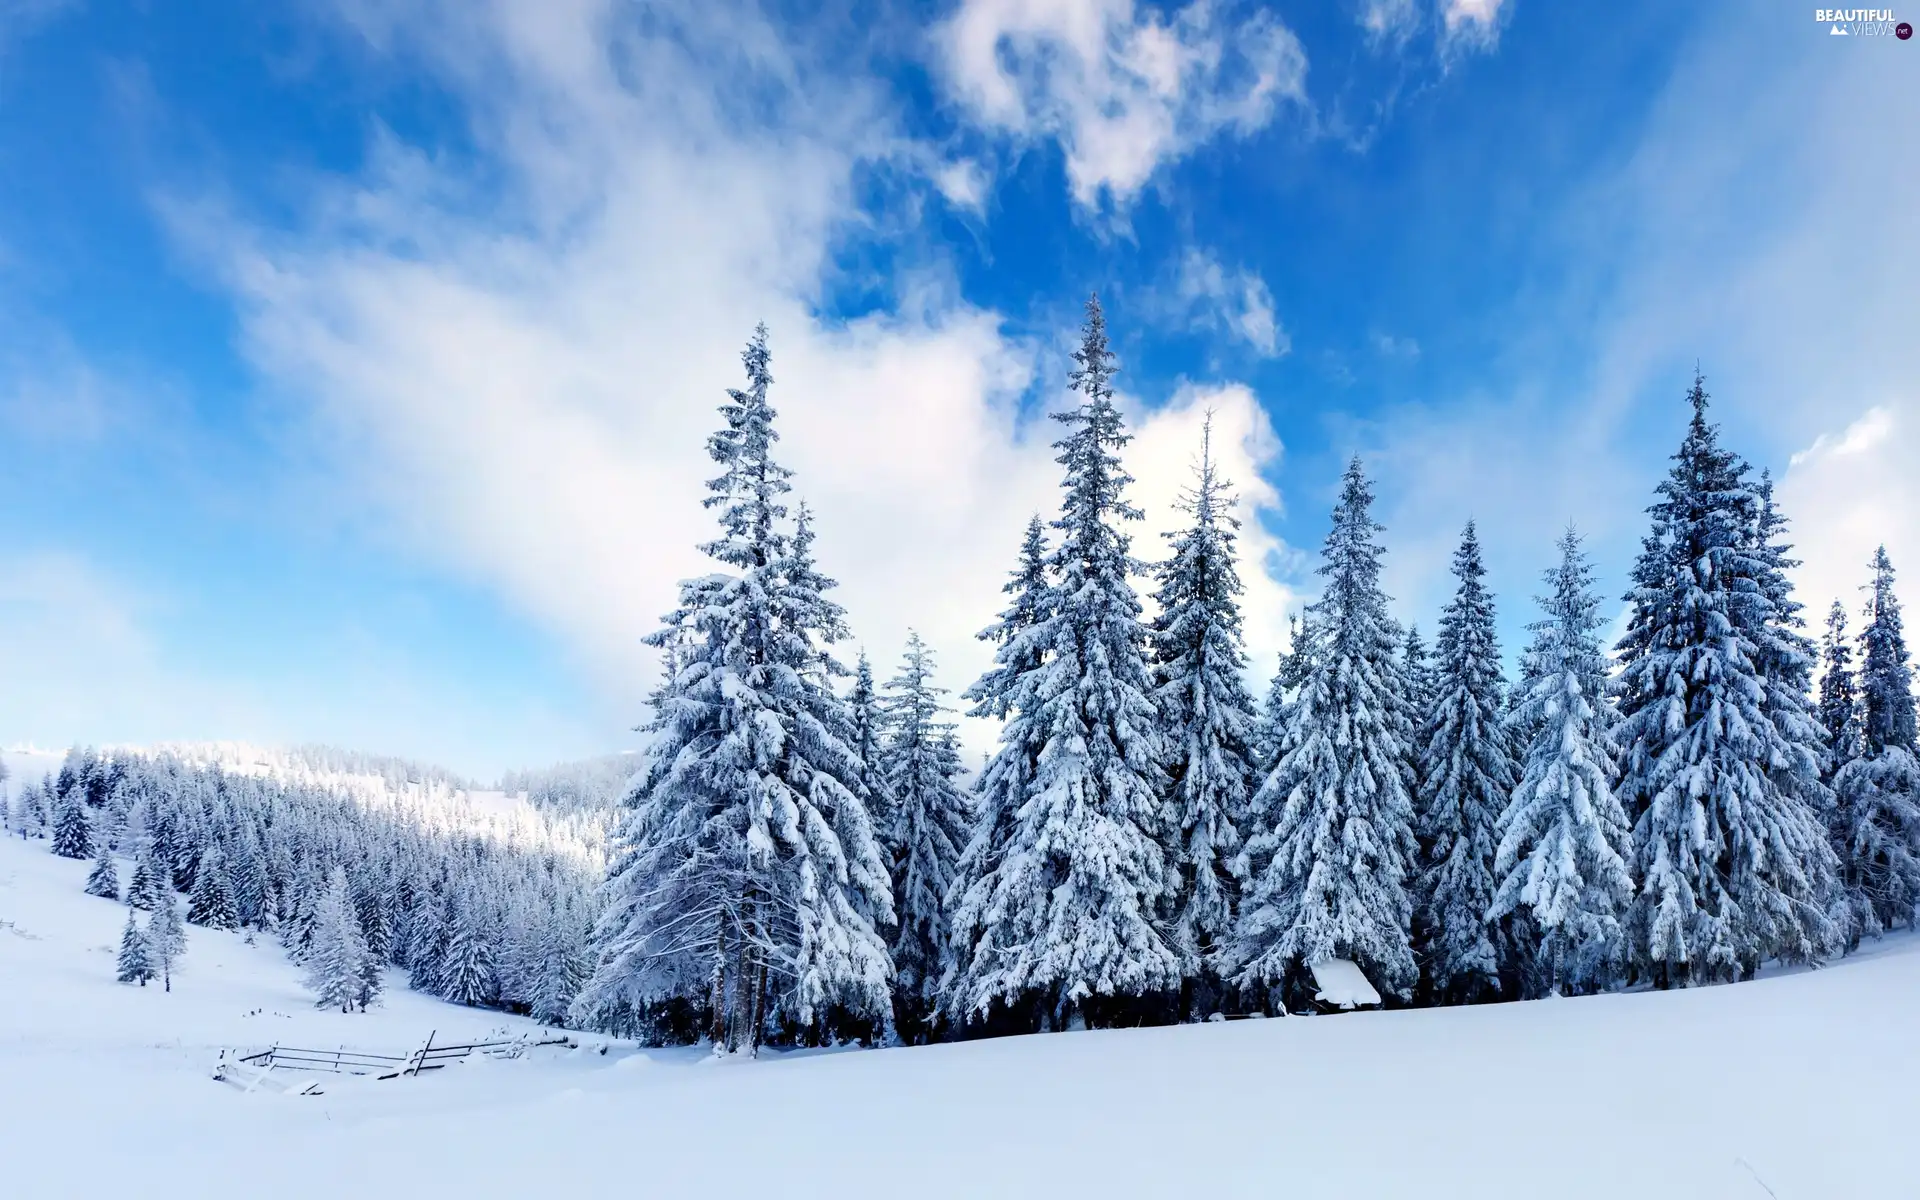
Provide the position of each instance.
(1862, 22)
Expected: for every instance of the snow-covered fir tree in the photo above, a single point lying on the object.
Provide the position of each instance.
(338, 958)
(1839, 703)
(146, 887)
(934, 817)
(1466, 773)
(1331, 848)
(867, 739)
(1879, 790)
(375, 895)
(1785, 658)
(1018, 652)
(1564, 838)
(1007, 775)
(104, 879)
(1296, 663)
(427, 944)
(1273, 708)
(211, 901)
(749, 880)
(72, 824)
(1064, 924)
(135, 962)
(166, 937)
(1208, 723)
(30, 812)
(468, 970)
(1733, 865)
(1423, 682)
(559, 968)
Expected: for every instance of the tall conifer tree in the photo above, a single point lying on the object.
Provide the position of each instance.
(934, 819)
(1067, 921)
(1733, 865)
(1879, 790)
(1564, 837)
(1467, 774)
(1331, 845)
(1207, 719)
(1839, 703)
(749, 880)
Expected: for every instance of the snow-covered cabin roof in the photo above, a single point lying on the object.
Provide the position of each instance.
(1343, 985)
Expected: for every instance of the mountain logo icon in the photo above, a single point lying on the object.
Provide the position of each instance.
(1839, 32)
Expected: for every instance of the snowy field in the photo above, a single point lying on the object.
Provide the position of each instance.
(1803, 1080)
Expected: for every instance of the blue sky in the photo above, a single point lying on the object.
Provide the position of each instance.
(355, 358)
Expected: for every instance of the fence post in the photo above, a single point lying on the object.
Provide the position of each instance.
(421, 1060)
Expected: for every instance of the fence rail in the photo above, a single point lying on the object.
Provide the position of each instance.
(429, 1057)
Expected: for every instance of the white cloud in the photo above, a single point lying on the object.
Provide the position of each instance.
(1472, 23)
(965, 184)
(1234, 302)
(1120, 87)
(1389, 21)
(525, 386)
(1390, 346)
(1247, 451)
(1848, 493)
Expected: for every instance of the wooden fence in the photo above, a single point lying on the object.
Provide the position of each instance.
(429, 1057)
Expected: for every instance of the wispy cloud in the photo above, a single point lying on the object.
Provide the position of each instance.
(1801, 322)
(1390, 346)
(1235, 303)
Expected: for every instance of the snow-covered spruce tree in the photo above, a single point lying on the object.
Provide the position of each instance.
(104, 879)
(1423, 679)
(166, 936)
(1330, 847)
(135, 963)
(1466, 774)
(1564, 838)
(427, 944)
(468, 973)
(559, 968)
(1018, 652)
(934, 821)
(1208, 726)
(1273, 709)
(211, 901)
(72, 824)
(866, 738)
(1296, 663)
(1784, 657)
(1879, 791)
(31, 811)
(1839, 703)
(337, 957)
(749, 881)
(1007, 774)
(1733, 866)
(1066, 924)
(373, 899)
(147, 886)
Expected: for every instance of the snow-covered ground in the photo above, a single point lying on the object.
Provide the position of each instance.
(1805, 1081)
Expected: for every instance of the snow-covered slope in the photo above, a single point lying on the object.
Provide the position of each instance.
(28, 764)
(1806, 1081)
